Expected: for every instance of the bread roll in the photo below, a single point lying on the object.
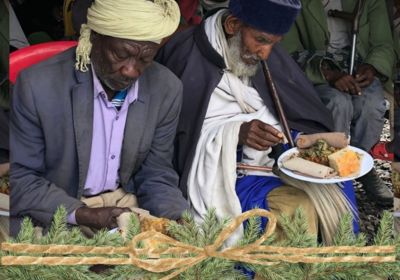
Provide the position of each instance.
(308, 168)
(334, 139)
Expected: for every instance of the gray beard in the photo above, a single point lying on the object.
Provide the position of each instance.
(237, 65)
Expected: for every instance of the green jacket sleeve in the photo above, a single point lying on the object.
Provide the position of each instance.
(311, 63)
(375, 43)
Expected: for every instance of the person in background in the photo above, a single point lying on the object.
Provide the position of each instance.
(386, 150)
(194, 11)
(92, 128)
(321, 45)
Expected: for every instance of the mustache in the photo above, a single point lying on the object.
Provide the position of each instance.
(252, 56)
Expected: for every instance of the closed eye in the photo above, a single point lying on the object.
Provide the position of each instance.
(263, 40)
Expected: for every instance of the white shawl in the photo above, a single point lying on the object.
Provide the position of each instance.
(212, 178)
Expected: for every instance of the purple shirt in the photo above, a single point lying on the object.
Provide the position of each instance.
(108, 134)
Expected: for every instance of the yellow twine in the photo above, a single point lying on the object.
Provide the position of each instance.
(156, 245)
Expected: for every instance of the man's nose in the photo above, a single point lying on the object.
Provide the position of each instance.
(264, 51)
(131, 70)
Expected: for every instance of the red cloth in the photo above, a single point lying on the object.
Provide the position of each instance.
(188, 10)
(379, 152)
(25, 57)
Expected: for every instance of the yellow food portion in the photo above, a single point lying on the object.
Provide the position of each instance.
(345, 162)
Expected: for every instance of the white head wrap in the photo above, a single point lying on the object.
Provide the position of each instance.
(139, 20)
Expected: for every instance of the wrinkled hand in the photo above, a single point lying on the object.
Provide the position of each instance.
(365, 75)
(259, 135)
(342, 81)
(348, 84)
(102, 217)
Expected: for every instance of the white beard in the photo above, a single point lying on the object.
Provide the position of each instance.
(237, 65)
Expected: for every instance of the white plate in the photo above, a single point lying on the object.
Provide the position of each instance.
(366, 165)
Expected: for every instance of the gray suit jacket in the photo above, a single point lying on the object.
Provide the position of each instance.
(51, 135)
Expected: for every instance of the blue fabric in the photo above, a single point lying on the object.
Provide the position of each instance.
(294, 134)
(252, 191)
(269, 16)
(119, 99)
(348, 190)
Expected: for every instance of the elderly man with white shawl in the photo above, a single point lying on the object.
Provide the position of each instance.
(92, 128)
(228, 116)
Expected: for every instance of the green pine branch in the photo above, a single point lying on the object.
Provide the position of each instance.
(202, 235)
(295, 230)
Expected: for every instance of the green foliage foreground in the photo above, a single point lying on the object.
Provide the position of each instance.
(295, 229)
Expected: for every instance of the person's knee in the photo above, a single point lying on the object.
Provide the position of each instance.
(303, 201)
(372, 107)
(372, 100)
(341, 102)
(337, 101)
(287, 199)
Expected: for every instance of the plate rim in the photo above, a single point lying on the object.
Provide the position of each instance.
(366, 157)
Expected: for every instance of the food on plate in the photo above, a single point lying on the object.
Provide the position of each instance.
(318, 152)
(346, 162)
(309, 168)
(322, 160)
(334, 139)
(4, 186)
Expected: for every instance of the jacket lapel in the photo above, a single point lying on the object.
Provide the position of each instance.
(134, 129)
(82, 110)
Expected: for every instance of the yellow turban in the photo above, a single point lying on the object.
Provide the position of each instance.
(139, 20)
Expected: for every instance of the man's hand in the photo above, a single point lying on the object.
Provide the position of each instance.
(348, 84)
(365, 75)
(259, 135)
(342, 81)
(102, 217)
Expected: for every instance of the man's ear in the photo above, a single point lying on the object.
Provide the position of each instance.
(232, 25)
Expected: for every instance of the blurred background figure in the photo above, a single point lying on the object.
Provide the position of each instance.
(41, 20)
(395, 144)
(192, 11)
(321, 43)
(17, 37)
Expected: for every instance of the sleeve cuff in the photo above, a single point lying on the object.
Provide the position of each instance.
(71, 218)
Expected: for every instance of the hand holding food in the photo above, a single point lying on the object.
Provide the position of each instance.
(259, 135)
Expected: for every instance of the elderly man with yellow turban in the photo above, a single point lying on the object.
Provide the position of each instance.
(92, 128)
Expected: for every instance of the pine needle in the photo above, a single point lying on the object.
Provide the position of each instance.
(295, 228)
